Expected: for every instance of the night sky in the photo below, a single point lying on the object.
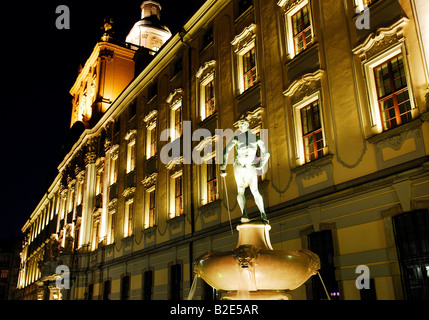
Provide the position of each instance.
(39, 66)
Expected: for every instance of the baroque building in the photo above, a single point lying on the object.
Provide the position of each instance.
(339, 87)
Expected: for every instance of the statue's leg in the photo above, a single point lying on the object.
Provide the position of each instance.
(240, 179)
(253, 185)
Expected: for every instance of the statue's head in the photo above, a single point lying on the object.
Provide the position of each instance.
(243, 124)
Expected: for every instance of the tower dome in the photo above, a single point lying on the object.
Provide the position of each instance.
(149, 32)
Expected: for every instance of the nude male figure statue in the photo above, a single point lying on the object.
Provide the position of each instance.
(245, 169)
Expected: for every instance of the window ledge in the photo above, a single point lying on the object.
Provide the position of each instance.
(300, 56)
(394, 137)
(313, 169)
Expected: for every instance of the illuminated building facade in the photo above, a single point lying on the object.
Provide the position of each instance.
(345, 101)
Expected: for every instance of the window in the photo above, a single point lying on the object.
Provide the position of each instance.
(209, 98)
(244, 46)
(360, 5)
(322, 244)
(207, 89)
(147, 285)
(152, 137)
(176, 119)
(152, 207)
(299, 28)
(99, 182)
(249, 68)
(211, 182)
(129, 218)
(309, 129)
(412, 243)
(106, 290)
(131, 156)
(178, 196)
(114, 163)
(125, 288)
(4, 273)
(112, 228)
(312, 131)
(175, 282)
(392, 92)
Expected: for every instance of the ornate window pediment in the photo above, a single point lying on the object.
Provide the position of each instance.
(381, 40)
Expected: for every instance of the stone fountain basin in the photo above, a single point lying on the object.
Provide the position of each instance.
(256, 263)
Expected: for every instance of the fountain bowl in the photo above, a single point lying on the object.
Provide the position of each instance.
(254, 267)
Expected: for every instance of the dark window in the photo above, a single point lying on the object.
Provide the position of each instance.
(147, 285)
(90, 291)
(175, 282)
(322, 244)
(125, 288)
(412, 243)
(106, 290)
(243, 5)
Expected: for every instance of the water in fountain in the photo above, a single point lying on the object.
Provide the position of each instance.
(247, 281)
(193, 288)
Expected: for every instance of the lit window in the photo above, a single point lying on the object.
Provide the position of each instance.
(178, 196)
(152, 206)
(309, 129)
(360, 5)
(152, 142)
(4, 273)
(312, 131)
(99, 183)
(244, 45)
(112, 227)
(299, 28)
(392, 92)
(249, 68)
(114, 163)
(131, 156)
(176, 119)
(129, 218)
(209, 101)
(211, 182)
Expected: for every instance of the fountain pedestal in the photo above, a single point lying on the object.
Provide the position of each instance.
(253, 270)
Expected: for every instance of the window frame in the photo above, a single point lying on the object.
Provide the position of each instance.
(299, 136)
(371, 86)
(290, 43)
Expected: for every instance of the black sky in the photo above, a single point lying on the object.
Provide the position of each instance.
(40, 66)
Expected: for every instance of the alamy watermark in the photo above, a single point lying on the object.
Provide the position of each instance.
(63, 20)
(363, 280)
(63, 272)
(203, 151)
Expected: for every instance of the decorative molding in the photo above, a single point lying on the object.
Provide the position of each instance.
(150, 180)
(314, 168)
(111, 206)
(394, 138)
(150, 119)
(129, 192)
(305, 84)
(247, 35)
(206, 66)
(131, 134)
(381, 39)
(177, 92)
(254, 117)
(174, 164)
